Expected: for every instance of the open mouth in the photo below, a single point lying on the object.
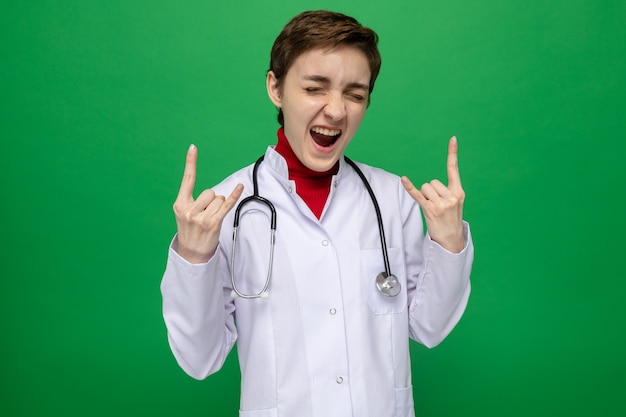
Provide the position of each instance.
(325, 137)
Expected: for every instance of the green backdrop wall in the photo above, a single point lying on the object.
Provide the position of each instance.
(100, 100)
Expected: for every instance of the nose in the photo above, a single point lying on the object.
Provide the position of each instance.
(335, 108)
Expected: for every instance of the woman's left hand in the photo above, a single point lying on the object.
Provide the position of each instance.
(443, 206)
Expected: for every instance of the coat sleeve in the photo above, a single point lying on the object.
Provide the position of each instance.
(198, 313)
(438, 281)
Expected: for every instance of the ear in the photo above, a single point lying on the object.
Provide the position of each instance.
(273, 89)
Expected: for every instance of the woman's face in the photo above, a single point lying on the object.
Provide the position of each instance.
(323, 97)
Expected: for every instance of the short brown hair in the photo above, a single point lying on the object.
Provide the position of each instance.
(322, 29)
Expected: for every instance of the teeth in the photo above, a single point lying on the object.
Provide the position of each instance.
(327, 132)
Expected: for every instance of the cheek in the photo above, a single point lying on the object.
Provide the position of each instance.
(300, 106)
(357, 115)
(304, 112)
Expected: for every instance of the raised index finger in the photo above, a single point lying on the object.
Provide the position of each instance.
(189, 175)
(454, 178)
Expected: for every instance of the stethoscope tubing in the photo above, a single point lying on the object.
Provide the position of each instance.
(254, 197)
(379, 217)
(386, 282)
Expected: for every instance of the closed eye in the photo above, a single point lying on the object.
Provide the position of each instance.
(356, 97)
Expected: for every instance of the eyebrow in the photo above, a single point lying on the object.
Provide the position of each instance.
(325, 80)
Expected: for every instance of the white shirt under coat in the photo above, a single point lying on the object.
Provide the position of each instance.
(326, 342)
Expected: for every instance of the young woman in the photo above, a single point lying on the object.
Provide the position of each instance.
(323, 308)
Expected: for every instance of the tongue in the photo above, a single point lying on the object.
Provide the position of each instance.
(322, 140)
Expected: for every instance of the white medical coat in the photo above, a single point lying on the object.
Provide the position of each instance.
(326, 342)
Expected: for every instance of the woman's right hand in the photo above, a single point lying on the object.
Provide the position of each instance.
(199, 221)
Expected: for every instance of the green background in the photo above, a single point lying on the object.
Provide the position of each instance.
(100, 100)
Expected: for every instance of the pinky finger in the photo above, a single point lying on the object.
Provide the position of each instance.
(413, 191)
(230, 202)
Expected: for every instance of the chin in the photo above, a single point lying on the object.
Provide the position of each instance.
(321, 165)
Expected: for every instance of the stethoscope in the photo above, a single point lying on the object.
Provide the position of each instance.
(386, 282)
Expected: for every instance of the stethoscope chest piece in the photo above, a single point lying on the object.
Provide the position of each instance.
(388, 284)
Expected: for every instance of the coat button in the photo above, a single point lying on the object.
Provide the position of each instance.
(324, 243)
(339, 380)
(333, 311)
